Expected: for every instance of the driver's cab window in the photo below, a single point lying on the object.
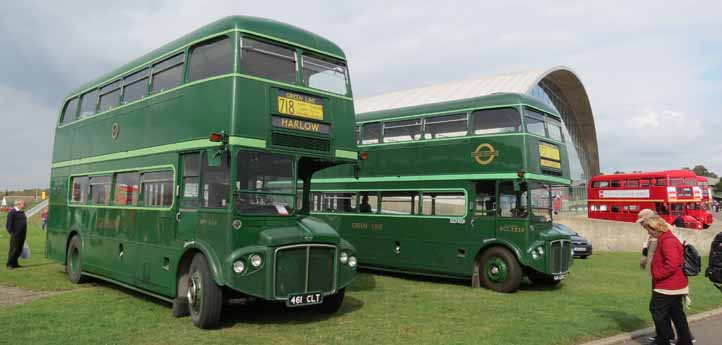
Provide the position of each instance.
(512, 203)
(216, 175)
(486, 198)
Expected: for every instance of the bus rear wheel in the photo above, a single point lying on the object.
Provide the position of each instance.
(499, 270)
(73, 265)
(205, 298)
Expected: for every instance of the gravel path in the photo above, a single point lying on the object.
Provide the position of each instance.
(10, 296)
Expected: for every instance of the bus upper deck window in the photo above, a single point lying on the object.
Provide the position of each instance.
(267, 60)
(491, 121)
(70, 111)
(135, 86)
(446, 126)
(535, 123)
(555, 130)
(404, 130)
(325, 74)
(168, 73)
(210, 58)
(88, 103)
(371, 133)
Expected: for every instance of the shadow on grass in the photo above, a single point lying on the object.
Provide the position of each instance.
(263, 312)
(259, 312)
(625, 321)
(366, 281)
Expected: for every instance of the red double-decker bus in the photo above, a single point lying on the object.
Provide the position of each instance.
(674, 194)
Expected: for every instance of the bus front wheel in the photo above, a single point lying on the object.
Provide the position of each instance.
(499, 270)
(73, 264)
(205, 298)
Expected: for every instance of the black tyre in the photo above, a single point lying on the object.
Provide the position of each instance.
(499, 270)
(205, 298)
(74, 262)
(331, 304)
(584, 256)
(542, 279)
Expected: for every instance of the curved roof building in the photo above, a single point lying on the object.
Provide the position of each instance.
(558, 87)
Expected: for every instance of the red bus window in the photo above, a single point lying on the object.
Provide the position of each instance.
(677, 209)
(632, 183)
(600, 184)
(685, 191)
(634, 208)
(676, 182)
(645, 182)
(661, 182)
(602, 208)
(690, 182)
(616, 184)
(626, 208)
(615, 209)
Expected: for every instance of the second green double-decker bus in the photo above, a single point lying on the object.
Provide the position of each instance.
(458, 189)
(186, 173)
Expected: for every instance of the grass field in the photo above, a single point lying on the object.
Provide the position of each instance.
(604, 295)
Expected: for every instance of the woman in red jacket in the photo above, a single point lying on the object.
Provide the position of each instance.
(669, 284)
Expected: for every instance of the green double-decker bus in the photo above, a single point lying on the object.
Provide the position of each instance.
(186, 173)
(457, 189)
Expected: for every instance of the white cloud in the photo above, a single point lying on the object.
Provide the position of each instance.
(644, 63)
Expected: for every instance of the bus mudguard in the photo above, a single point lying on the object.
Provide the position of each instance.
(212, 259)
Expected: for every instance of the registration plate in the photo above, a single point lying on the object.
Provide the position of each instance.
(295, 104)
(560, 277)
(309, 298)
(579, 249)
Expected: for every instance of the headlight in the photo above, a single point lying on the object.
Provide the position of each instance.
(352, 261)
(256, 260)
(239, 266)
(343, 257)
(540, 250)
(534, 255)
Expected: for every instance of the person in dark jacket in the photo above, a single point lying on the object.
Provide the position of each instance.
(17, 226)
(669, 284)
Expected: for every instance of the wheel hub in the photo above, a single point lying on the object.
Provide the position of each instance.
(194, 291)
(496, 270)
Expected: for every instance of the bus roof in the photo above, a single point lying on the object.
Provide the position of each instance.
(664, 173)
(264, 27)
(493, 100)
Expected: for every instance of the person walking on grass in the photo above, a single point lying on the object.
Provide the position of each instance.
(17, 226)
(669, 284)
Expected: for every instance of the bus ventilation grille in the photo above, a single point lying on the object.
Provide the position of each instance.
(560, 257)
(307, 143)
(304, 268)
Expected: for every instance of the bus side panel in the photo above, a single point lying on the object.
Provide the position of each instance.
(58, 214)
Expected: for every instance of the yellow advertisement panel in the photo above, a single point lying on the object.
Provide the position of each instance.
(295, 104)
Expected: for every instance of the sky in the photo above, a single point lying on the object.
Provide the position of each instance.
(652, 69)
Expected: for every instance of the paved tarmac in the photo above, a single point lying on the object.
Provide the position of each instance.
(706, 332)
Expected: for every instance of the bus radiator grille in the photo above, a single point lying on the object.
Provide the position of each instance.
(295, 141)
(304, 268)
(561, 256)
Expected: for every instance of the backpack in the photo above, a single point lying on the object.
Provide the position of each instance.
(714, 271)
(692, 260)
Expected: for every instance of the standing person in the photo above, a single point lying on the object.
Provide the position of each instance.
(17, 226)
(44, 217)
(650, 244)
(669, 284)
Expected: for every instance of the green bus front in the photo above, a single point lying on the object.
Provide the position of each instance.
(462, 192)
(186, 173)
